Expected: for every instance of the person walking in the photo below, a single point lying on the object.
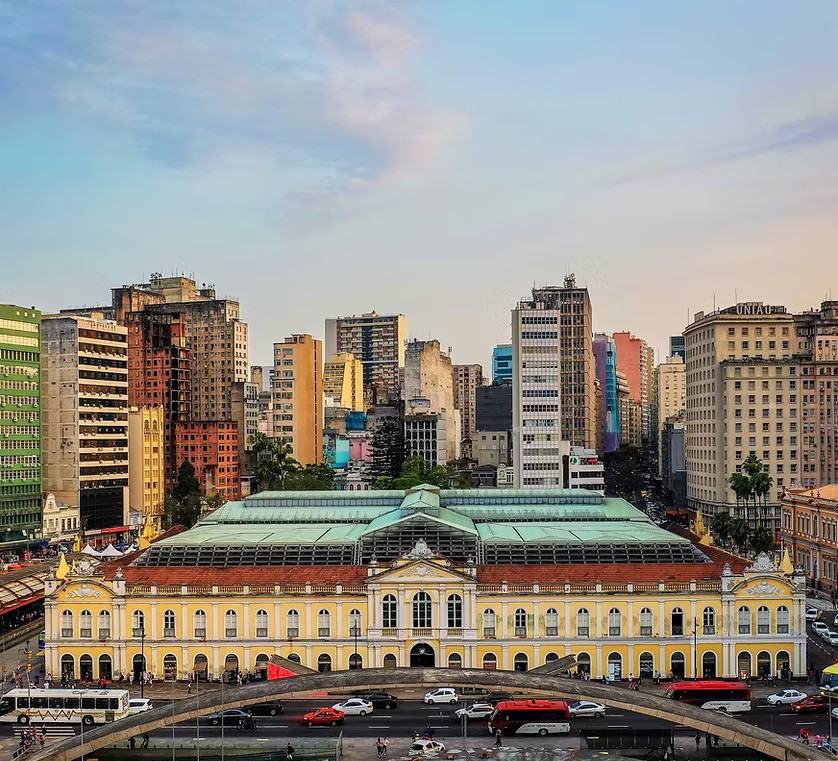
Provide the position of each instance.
(378, 747)
(289, 752)
(386, 743)
(698, 740)
(144, 743)
(498, 739)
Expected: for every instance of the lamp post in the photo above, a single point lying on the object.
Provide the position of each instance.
(27, 654)
(142, 658)
(355, 631)
(81, 723)
(695, 648)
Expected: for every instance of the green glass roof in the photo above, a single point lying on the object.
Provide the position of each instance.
(577, 532)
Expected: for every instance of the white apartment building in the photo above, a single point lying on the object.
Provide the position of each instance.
(672, 396)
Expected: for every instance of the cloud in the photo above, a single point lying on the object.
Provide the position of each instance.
(325, 86)
(808, 132)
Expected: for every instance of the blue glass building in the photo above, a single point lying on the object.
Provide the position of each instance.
(605, 353)
(502, 363)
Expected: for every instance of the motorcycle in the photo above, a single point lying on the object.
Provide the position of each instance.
(247, 725)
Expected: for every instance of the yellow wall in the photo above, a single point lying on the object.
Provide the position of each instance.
(146, 473)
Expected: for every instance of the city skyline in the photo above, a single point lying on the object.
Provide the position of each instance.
(649, 150)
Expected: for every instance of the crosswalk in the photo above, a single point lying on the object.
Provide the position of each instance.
(52, 730)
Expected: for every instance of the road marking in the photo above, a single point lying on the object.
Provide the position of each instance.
(618, 726)
(805, 723)
(617, 715)
(384, 716)
(376, 726)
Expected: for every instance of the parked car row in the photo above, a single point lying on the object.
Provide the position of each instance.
(825, 633)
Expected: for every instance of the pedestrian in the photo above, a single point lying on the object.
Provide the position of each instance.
(715, 741)
(132, 743)
(289, 752)
(386, 743)
(698, 740)
(818, 742)
(130, 677)
(378, 747)
(144, 743)
(189, 688)
(498, 740)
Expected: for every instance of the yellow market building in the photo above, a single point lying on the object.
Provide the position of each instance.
(494, 579)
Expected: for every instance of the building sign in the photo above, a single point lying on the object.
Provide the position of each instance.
(754, 308)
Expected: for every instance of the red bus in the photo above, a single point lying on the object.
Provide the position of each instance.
(715, 695)
(530, 717)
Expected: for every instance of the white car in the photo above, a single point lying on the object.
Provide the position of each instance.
(786, 697)
(819, 627)
(475, 711)
(354, 707)
(442, 695)
(812, 614)
(139, 705)
(835, 713)
(832, 638)
(825, 635)
(586, 708)
(427, 746)
(835, 621)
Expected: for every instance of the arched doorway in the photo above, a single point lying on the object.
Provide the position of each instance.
(231, 668)
(200, 667)
(68, 666)
(138, 666)
(583, 663)
(678, 665)
(261, 667)
(763, 663)
(708, 665)
(389, 661)
(615, 667)
(784, 664)
(86, 668)
(521, 662)
(170, 667)
(324, 662)
(646, 665)
(743, 664)
(455, 661)
(550, 657)
(422, 656)
(294, 658)
(490, 662)
(105, 667)
(356, 661)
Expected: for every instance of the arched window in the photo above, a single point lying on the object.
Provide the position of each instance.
(615, 623)
(292, 624)
(551, 623)
(422, 611)
(763, 620)
(85, 624)
(455, 612)
(646, 622)
(783, 620)
(104, 624)
(324, 624)
(231, 624)
(169, 623)
(261, 623)
(294, 657)
(455, 661)
(389, 661)
(138, 622)
(389, 612)
(744, 620)
(709, 620)
(68, 666)
(677, 622)
(67, 624)
(170, 667)
(583, 623)
(199, 622)
(521, 662)
(355, 661)
(521, 623)
(490, 662)
(354, 623)
(490, 623)
(324, 662)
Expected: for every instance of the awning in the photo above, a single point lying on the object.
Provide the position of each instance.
(116, 530)
(20, 603)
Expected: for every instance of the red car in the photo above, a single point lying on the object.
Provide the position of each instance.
(812, 704)
(323, 716)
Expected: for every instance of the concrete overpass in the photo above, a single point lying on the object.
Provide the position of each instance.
(726, 727)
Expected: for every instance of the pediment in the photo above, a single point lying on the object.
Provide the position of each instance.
(420, 572)
(86, 589)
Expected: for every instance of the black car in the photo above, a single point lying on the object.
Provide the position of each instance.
(496, 697)
(379, 699)
(271, 708)
(230, 717)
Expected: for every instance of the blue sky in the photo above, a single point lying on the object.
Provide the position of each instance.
(435, 158)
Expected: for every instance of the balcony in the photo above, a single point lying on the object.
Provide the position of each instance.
(423, 632)
(678, 631)
(390, 632)
(104, 634)
(551, 631)
(261, 633)
(709, 630)
(200, 633)
(231, 633)
(85, 633)
(520, 631)
(67, 633)
(455, 631)
(489, 631)
(138, 632)
(645, 631)
(324, 631)
(292, 632)
(169, 633)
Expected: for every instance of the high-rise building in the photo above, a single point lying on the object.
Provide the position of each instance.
(296, 414)
(494, 407)
(378, 341)
(212, 448)
(160, 373)
(216, 337)
(553, 389)
(605, 354)
(672, 397)
(467, 379)
(636, 359)
(246, 416)
(678, 347)
(85, 418)
(146, 467)
(502, 363)
(343, 381)
(20, 425)
(743, 398)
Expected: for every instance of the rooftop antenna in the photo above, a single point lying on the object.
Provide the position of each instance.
(735, 296)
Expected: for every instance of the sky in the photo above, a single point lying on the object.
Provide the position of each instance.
(316, 158)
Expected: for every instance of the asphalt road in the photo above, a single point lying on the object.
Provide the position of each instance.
(413, 716)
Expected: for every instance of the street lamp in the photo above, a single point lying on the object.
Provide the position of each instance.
(695, 648)
(27, 654)
(142, 659)
(81, 723)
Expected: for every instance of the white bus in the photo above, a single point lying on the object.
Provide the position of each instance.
(39, 706)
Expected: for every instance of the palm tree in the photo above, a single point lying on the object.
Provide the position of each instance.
(720, 526)
(761, 540)
(741, 485)
(739, 533)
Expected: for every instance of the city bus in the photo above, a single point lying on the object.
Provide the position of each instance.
(729, 697)
(55, 706)
(530, 717)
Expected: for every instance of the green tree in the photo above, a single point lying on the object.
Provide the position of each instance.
(388, 448)
(720, 526)
(761, 540)
(761, 483)
(277, 470)
(183, 506)
(741, 485)
(739, 533)
(417, 471)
